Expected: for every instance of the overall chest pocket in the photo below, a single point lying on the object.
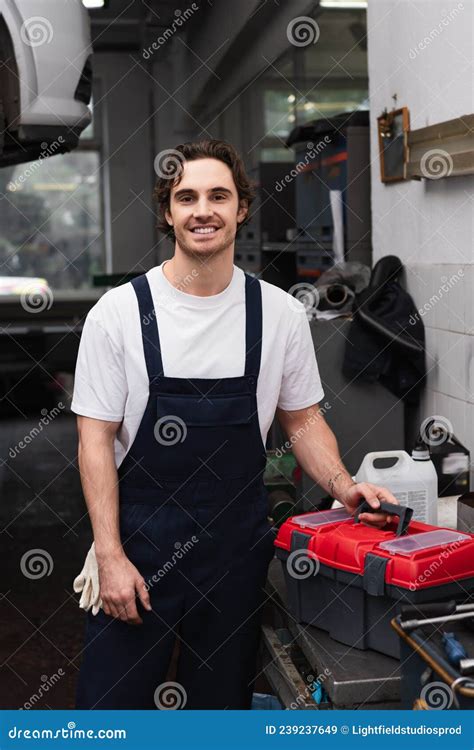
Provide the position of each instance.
(206, 411)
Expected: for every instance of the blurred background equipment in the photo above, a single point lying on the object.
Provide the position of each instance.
(332, 191)
(43, 101)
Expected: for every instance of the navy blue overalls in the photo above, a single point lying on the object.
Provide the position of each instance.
(193, 520)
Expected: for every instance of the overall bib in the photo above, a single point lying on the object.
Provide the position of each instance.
(193, 520)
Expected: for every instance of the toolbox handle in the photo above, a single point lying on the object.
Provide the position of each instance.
(402, 511)
(432, 609)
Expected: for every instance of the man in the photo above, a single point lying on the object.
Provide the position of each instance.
(178, 379)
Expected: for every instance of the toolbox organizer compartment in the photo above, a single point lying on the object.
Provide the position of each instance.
(425, 668)
(351, 579)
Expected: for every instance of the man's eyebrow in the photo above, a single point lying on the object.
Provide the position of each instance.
(185, 191)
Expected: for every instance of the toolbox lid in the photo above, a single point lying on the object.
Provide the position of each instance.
(425, 557)
(406, 545)
(309, 524)
(321, 518)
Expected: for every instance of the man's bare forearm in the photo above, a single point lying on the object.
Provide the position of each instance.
(316, 450)
(99, 480)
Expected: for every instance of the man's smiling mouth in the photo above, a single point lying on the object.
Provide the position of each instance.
(204, 230)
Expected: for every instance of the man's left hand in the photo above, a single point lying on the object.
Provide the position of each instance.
(355, 494)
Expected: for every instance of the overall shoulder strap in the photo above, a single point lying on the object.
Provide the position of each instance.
(253, 325)
(149, 326)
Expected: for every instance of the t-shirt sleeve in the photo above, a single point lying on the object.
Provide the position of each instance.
(100, 384)
(301, 384)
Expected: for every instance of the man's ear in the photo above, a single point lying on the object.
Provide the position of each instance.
(168, 217)
(243, 210)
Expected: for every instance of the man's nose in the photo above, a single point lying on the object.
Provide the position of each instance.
(202, 208)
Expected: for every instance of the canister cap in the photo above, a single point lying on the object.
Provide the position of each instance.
(420, 451)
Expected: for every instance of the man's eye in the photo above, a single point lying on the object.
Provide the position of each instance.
(220, 196)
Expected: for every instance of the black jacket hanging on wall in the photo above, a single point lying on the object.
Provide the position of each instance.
(386, 340)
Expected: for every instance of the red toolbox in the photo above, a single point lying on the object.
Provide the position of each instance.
(351, 579)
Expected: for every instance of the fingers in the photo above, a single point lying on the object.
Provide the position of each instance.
(374, 495)
(386, 496)
(129, 613)
(123, 607)
(379, 520)
(110, 609)
(119, 589)
(370, 494)
(143, 593)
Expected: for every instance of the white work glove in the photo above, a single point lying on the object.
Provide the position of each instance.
(88, 582)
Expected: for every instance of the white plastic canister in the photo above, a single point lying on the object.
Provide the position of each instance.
(413, 482)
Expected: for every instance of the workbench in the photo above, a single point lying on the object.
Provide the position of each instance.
(352, 678)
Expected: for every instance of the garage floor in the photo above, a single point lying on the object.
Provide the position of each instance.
(42, 508)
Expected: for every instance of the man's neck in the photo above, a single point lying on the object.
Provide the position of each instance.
(201, 277)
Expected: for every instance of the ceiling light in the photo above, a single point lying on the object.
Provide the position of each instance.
(351, 4)
(94, 3)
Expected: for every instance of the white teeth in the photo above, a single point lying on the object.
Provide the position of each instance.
(204, 230)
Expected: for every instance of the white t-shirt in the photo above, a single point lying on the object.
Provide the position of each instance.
(200, 337)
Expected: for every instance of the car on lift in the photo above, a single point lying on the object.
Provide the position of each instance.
(45, 77)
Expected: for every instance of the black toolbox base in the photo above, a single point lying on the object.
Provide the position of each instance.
(337, 602)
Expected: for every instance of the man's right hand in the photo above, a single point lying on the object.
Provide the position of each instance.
(120, 583)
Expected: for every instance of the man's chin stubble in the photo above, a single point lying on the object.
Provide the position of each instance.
(194, 253)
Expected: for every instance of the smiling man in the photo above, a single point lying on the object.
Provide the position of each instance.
(179, 376)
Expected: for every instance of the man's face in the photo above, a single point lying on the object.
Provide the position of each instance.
(204, 208)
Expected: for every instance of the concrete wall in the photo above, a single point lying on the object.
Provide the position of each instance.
(124, 109)
(421, 50)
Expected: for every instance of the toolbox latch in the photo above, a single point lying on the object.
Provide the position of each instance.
(374, 574)
(299, 540)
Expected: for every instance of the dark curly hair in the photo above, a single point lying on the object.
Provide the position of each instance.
(169, 168)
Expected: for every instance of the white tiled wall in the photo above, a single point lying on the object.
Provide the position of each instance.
(449, 326)
(429, 224)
